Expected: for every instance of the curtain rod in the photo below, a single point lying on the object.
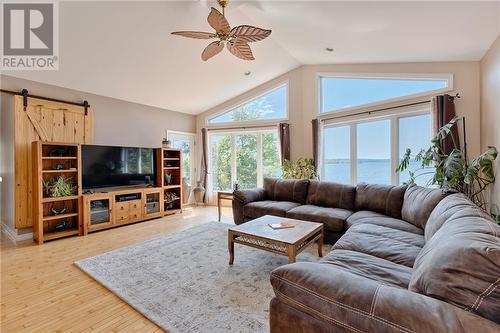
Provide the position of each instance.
(239, 128)
(25, 94)
(384, 109)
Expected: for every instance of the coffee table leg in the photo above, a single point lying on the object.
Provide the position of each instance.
(230, 245)
(291, 254)
(320, 244)
(218, 206)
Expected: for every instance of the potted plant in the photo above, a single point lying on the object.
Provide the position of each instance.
(453, 172)
(303, 168)
(61, 186)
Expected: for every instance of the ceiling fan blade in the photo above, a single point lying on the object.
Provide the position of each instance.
(248, 33)
(218, 22)
(195, 34)
(212, 49)
(240, 49)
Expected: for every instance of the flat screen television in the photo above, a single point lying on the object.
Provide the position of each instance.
(109, 166)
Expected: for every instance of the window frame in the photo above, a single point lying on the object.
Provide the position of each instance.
(345, 111)
(394, 136)
(171, 134)
(267, 91)
(233, 134)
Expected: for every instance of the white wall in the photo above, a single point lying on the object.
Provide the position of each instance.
(303, 106)
(490, 108)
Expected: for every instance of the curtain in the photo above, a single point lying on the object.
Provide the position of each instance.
(204, 162)
(284, 136)
(316, 139)
(443, 110)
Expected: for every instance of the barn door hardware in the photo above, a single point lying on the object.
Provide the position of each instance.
(25, 95)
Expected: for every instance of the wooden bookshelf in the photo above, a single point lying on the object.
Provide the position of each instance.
(171, 165)
(56, 216)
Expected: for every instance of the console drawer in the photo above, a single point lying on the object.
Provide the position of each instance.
(122, 217)
(121, 207)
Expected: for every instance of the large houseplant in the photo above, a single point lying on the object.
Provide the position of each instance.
(453, 171)
(303, 168)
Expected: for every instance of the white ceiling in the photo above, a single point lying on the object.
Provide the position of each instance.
(124, 49)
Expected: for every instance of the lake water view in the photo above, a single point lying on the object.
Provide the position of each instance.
(377, 171)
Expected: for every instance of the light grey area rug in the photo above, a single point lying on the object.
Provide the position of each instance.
(183, 282)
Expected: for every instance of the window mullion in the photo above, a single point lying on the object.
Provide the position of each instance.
(394, 150)
(234, 177)
(259, 160)
(354, 155)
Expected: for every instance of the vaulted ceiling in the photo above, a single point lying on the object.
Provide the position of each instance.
(124, 49)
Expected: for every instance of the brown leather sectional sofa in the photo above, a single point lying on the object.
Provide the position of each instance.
(407, 259)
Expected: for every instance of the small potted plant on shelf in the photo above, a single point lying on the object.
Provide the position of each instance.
(61, 186)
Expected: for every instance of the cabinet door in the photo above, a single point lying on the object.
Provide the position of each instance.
(99, 212)
(152, 204)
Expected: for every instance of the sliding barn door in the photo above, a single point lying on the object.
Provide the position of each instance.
(45, 121)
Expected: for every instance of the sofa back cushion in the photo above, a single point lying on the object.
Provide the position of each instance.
(383, 199)
(331, 195)
(294, 190)
(419, 202)
(460, 264)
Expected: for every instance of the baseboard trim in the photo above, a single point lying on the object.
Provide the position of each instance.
(11, 233)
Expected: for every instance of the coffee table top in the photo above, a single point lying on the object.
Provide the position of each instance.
(260, 228)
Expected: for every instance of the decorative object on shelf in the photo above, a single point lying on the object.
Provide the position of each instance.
(59, 152)
(170, 197)
(63, 226)
(58, 166)
(236, 40)
(168, 179)
(303, 168)
(199, 193)
(61, 186)
(453, 171)
(169, 164)
(54, 211)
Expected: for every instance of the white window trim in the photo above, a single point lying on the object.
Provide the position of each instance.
(248, 100)
(394, 135)
(353, 109)
(193, 167)
(233, 134)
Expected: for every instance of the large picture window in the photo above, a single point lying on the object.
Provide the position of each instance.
(270, 106)
(369, 151)
(338, 93)
(244, 157)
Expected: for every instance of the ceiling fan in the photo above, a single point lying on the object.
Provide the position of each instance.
(235, 39)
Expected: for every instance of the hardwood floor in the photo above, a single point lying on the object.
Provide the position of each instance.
(42, 291)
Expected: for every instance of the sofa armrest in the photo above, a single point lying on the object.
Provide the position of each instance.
(243, 197)
(356, 303)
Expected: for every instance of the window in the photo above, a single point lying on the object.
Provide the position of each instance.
(374, 152)
(243, 157)
(337, 154)
(415, 132)
(184, 142)
(270, 106)
(344, 92)
(368, 151)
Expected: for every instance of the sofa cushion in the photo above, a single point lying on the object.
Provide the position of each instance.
(369, 217)
(371, 267)
(460, 264)
(394, 245)
(419, 202)
(294, 190)
(384, 199)
(333, 218)
(452, 206)
(332, 195)
(268, 207)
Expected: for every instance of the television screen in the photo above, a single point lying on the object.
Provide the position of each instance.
(106, 166)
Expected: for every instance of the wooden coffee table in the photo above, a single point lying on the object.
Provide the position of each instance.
(288, 242)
